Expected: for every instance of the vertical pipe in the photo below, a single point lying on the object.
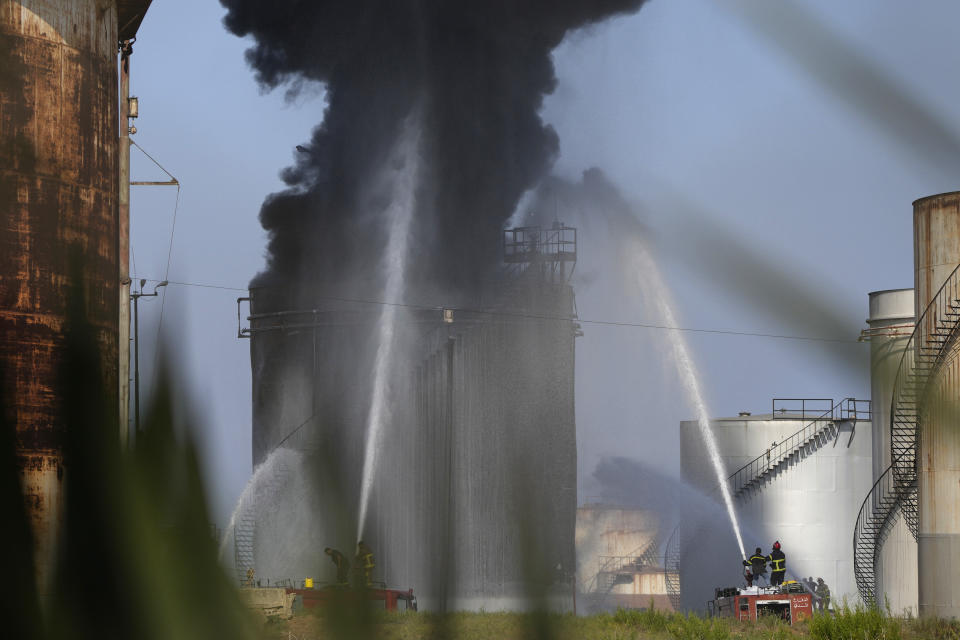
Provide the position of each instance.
(136, 365)
(123, 247)
(448, 545)
(936, 226)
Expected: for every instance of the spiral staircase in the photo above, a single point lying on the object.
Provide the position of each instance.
(894, 494)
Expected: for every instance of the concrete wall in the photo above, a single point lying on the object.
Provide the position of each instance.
(810, 505)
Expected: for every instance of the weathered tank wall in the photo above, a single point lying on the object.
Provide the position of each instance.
(605, 531)
(475, 496)
(936, 234)
(58, 195)
(891, 323)
(501, 450)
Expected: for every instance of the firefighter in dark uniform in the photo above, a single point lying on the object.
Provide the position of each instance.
(758, 566)
(778, 565)
(364, 563)
(342, 564)
(823, 595)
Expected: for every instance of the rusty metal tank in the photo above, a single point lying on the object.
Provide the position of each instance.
(58, 196)
(936, 222)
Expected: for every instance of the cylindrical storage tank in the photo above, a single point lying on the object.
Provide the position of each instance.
(936, 237)
(891, 323)
(809, 503)
(58, 196)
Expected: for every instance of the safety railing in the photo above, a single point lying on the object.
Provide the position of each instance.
(671, 568)
(820, 427)
(802, 408)
(896, 488)
(873, 522)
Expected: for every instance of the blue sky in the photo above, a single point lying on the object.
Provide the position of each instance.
(695, 114)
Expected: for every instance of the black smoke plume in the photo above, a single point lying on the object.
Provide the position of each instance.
(475, 72)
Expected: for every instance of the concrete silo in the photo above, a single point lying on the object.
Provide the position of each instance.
(936, 256)
(891, 322)
(59, 191)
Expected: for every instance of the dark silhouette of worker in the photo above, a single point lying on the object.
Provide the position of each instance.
(342, 564)
(778, 565)
(823, 595)
(364, 563)
(749, 576)
(758, 565)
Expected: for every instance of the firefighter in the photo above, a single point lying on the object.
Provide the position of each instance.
(342, 564)
(749, 577)
(823, 595)
(364, 563)
(758, 565)
(778, 565)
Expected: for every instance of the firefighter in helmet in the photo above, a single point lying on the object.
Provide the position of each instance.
(778, 565)
(758, 565)
(364, 563)
(823, 595)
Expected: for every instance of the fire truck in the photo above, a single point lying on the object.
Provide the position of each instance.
(388, 599)
(789, 601)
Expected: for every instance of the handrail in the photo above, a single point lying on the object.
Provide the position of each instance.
(873, 518)
(776, 454)
(786, 413)
(671, 567)
(591, 586)
(896, 487)
(911, 381)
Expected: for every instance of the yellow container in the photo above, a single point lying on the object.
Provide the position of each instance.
(308, 583)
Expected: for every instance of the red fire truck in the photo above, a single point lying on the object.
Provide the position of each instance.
(392, 599)
(790, 601)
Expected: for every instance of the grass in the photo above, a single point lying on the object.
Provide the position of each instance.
(848, 623)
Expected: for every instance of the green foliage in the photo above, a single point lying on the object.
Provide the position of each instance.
(933, 629)
(647, 620)
(135, 556)
(857, 623)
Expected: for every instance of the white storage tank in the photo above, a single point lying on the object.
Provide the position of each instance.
(891, 322)
(809, 501)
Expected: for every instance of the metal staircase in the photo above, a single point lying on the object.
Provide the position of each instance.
(612, 567)
(818, 432)
(243, 556)
(671, 568)
(895, 491)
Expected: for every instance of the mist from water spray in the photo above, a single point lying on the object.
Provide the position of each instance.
(400, 215)
(650, 281)
(259, 489)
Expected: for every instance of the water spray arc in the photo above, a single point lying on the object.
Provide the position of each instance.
(393, 266)
(650, 281)
(258, 490)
